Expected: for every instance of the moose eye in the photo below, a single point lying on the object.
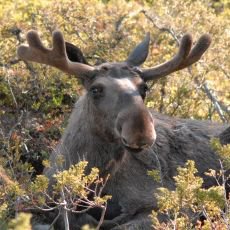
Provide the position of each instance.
(97, 91)
(143, 90)
(105, 68)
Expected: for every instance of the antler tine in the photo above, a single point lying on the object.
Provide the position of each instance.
(171, 65)
(183, 59)
(197, 51)
(56, 56)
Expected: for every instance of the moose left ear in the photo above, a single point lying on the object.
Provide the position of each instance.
(74, 53)
(140, 52)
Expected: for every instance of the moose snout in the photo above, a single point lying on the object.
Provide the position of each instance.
(136, 130)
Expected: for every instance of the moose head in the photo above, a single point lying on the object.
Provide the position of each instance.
(115, 92)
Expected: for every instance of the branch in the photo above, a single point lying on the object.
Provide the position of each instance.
(226, 212)
(161, 28)
(218, 105)
(55, 220)
(215, 102)
(225, 72)
(102, 217)
(64, 211)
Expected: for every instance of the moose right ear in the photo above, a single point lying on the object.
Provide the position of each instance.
(140, 52)
(75, 54)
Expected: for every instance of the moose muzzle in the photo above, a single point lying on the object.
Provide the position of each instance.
(135, 126)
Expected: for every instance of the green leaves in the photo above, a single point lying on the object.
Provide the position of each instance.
(21, 222)
(74, 179)
(222, 150)
(40, 184)
(188, 200)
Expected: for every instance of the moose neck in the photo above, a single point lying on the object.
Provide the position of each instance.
(88, 138)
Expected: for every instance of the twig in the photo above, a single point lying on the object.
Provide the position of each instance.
(161, 28)
(9, 85)
(118, 23)
(214, 101)
(8, 143)
(207, 216)
(64, 211)
(226, 202)
(82, 211)
(225, 72)
(218, 106)
(102, 217)
(55, 220)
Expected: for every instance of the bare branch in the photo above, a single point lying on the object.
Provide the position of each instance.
(102, 217)
(215, 102)
(218, 105)
(161, 28)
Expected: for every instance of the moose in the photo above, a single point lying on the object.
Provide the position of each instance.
(113, 130)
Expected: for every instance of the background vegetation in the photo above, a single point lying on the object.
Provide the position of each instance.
(35, 100)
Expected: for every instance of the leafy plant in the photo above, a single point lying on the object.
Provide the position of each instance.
(183, 207)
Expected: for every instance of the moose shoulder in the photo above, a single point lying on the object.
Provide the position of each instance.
(112, 129)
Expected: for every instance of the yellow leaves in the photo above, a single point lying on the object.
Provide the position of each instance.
(186, 176)
(75, 180)
(15, 190)
(155, 174)
(222, 150)
(40, 184)
(188, 199)
(167, 200)
(75, 183)
(87, 227)
(150, 104)
(212, 200)
(101, 200)
(22, 10)
(46, 163)
(3, 210)
(92, 176)
(155, 221)
(21, 222)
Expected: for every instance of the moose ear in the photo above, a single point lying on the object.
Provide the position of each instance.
(140, 52)
(74, 53)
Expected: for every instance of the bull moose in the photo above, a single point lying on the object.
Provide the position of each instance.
(112, 129)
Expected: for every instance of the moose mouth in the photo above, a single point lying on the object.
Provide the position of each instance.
(133, 150)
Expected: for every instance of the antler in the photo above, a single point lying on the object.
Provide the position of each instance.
(56, 56)
(182, 59)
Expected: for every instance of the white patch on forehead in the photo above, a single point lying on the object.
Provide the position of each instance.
(125, 83)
